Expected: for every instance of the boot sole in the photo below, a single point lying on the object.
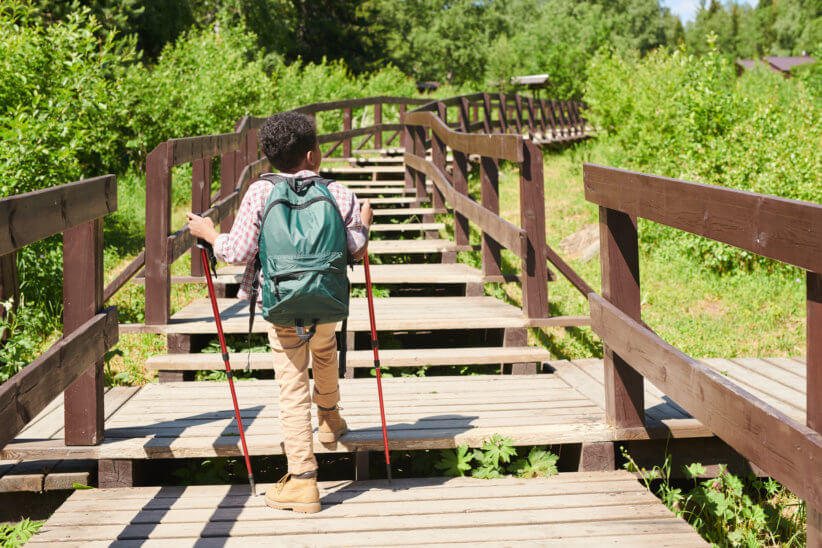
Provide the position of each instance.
(331, 437)
(302, 508)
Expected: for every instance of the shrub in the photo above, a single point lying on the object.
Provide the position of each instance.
(677, 115)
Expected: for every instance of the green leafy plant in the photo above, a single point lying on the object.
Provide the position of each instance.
(496, 458)
(18, 534)
(728, 510)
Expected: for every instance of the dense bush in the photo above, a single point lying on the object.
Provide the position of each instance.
(688, 117)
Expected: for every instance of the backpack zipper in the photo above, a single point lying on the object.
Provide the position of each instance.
(277, 280)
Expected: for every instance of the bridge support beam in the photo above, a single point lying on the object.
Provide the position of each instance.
(361, 459)
(113, 473)
(518, 336)
(597, 457)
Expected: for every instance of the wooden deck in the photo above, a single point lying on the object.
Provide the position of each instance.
(180, 420)
(426, 273)
(579, 509)
(394, 313)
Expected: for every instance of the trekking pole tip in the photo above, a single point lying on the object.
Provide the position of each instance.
(252, 485)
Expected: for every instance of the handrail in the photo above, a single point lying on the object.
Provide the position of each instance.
(361, 102)
(502, 147)
(782, 229)
(507, 234)
(778, 228)
(33, 216)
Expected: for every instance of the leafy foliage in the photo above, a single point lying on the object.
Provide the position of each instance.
(688, 117)
(18, 534)
(727, 510)
(494, 459)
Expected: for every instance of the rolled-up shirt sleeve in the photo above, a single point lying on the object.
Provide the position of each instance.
(356, 233)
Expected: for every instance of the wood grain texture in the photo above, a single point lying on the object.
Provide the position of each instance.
(33, 216)
(189, 149)
(786, 230)
(784, 448)
(27, 393)
(503, 147)
(509, 235)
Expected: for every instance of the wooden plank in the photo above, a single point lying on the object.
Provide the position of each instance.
(313, 108)
(392, 201)
(124, 276)
(503, 147)
(813, 303)
(787, 450)
(33, 216)
(789, 401)
(421, 273)
(401, 211)
(28, 476)
(416, 357)
(67, 473)
(619, 256)
(532, 219)
(401, 313)
(402, 247)
(189, 149)
(509, 235)
(28, 392)
(778, 228)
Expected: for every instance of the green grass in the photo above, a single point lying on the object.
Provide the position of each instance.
(702, 313)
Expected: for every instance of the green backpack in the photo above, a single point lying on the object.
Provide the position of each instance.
(303, 256)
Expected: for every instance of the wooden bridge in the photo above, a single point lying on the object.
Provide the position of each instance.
(758, 413)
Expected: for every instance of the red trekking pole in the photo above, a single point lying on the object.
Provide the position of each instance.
(209, 261)
(376, 348)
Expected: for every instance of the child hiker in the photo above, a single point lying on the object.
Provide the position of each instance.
(303, 231)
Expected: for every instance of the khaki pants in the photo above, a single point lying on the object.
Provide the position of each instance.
(295, 397)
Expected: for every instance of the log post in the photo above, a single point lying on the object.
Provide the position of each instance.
(227, 184)
(460, 181)
(531, 127)
(347, 127)
(418, 133)
(532, 214)
(377, 122)
(82, 299)
(619, 255)
(200, 201)
(503, 113)
(464, 115)
(518, 112)
(814, 385)
(489, 196)
(552, 119)
(9, 286)
(407, 144)
(158, 220)
(487, 114)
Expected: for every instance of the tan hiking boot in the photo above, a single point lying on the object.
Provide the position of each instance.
(332, 425)
(297, 494)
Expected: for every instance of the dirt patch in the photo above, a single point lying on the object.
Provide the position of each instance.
(712, 307)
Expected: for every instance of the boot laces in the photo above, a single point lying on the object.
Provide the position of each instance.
(281, 484)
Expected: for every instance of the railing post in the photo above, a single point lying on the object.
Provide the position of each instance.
(464, 115)
(407, 144)
(460, 179)
(200, 201)
(9, 285)
(814, 385)
(418, 138)
(619, 255)
(227, 182)
(518, 112)
(489, 196)
(532, 214)
(158, 221)
(82, 299)
(503, 113)
(347, 127)
(487, 115)
(377, 122)
(531, 117)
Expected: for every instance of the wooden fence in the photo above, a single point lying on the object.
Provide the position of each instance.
(785, 230)
(74, 364)
(238, 152)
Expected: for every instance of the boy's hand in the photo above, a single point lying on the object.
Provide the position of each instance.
(366, 214)
(201, 227)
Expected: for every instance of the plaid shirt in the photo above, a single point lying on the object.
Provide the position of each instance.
(240, 245)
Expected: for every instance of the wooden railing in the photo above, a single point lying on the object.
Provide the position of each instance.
(240, 165)
(785, 230)
(74, 364)
(526, 241)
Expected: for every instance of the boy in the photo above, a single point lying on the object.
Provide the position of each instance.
(289, 141)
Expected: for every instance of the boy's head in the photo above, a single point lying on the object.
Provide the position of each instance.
(289, 141)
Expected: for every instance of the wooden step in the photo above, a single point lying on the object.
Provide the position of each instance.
(393, 314)
(196, 419)
(424, 273)
(415, 357)
(407, 227)
(368, 183)
(383, 191)
(399, 211)
(355, 170)
(412, 247)
(571, 510)
(392, 201)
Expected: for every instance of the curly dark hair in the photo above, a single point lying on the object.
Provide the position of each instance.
(285, 139)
